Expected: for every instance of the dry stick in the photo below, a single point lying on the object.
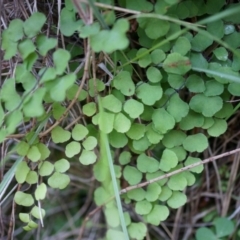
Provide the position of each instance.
(167, 175)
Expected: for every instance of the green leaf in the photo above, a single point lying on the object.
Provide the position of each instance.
(32, 177)
(221, 54)
(153, 75)
(224, 227)
(89, 109)
(153, 191)
(68, 23)
(111, 40)
(165, 194)
(150, 176)
(216, 28)
(37, 212)
(41, 191)
(153, 136)
(124, 157)
(44, 151)
(58, 110)
(234, 89)
(72, 149)
(48, 74)
(58, 91)
(117, 140)
(26, 47)
(195, 143)
(200, 42)
(180, 152)
(79, 132)
(133, 108)
(177, 107)
(22, 171)
(59, 135)
(34, 107)
(189, 177)
(195, 84)
(143, 207)
(191, 121)
(136, 194)
(106, 121)
(61, 165)
(149, 94)
(58, 180)
(33, 154)
(192, 160)
(87, 157)
(9, 95)
(213, 88)
(121, 123)
(168, 161)
(44, 44)
(177, 64)
(141, 144)
(176, 81)
(144, 57)
(111, 103)
(159, 213)
(226, 111)
(162, 121)
(139, 5)
(23, 199)
(173, 138)
(132, 175)
(61, 58)
(45, 169)
(208, 106)
(95, 86)
(14, 32)
(219, 127)
(101, 195)
(124, 83)
(208, 122)
(182, 46)
(24, 217)
(90, 143)
(22, 148)
(86, 31)
(13, 120)
(34, 24)
(177, 200)
(157, 55)
(136, 131)
(177, 182)
(205, 233)
(112, 216)
(147, 164)
(151, 27)
(137, 230)
(114, 234)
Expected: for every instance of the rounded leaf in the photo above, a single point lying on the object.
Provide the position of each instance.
(72, 149)
(87, 157)
(195, 143)
(23, 199)
(61, 165)
(58, 180)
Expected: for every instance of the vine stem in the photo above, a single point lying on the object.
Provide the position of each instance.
(188, 167)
